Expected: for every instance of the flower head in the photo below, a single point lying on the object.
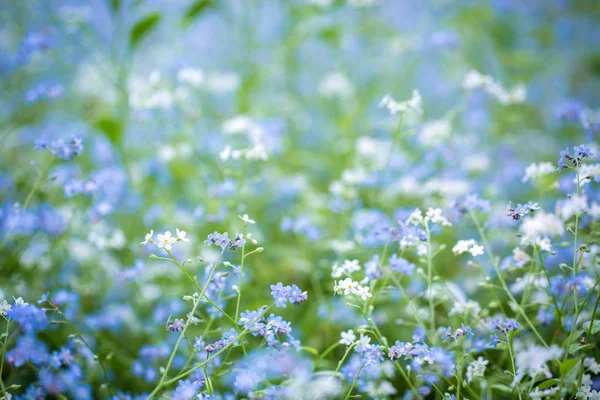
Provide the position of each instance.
(148, 238)
(165, 241)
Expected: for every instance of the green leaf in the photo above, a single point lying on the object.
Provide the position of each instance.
(580, 347)
(310, 350)
(502, 388)
(197, 8)
(548, 383)
(568, 365)
(595, 328)
(110, 127)
(142, 28)
(115, 5)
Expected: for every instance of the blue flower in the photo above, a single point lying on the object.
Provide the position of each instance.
(282, 294)
(176, 326)
(400, 264)
(447, 335)
(419, 335)
(31, 318)
(545, 316)
(494, 341)
(199, 344)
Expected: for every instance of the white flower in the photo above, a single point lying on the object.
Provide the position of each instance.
(181, 235)
(226, 153)
(148, 238)
(593, 366)
(347, 268)
(469, 308)
(433, 132)
(585, 392)
(166, 241)
(463, 246)
(435, 216)
(346, 286)
(20, 302)
(536, 171)
(258, 152)
(476, 368)
(348, 338)
(476, 80)
(364, 340)
(536, 394)
(532, 361)
(192, 76)
(336, 85)
(539, 225)
(415, 218)
(246, 219)
(4, 307)
(415, 103)
(476, 250)
(363, 292)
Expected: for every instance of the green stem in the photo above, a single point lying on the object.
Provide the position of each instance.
(36, 185)
(189, 371)
(2, 353)
(502, 281)
(202, 290)
(430, 283)
(353, 382)
(196, 303)
(512, 361)
(208, 383)
(85, 343)
(543, 265)
(239, 297)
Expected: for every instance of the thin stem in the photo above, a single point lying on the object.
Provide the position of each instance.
(208, 383)
(512, 361)
(239, 297)
(501, 279)
(353, 382)
(543, 265)
(196, 303)
(202, 290)
(430, 283)
(216, 354)
(36, 185)
(85, 343)
(2, 353)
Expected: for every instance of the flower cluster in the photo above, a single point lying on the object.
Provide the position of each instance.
(471, 246)
(509, 325)
(521, 210)
(224, 242)
(464, 330)
(283, 294)
(579, 153)
(229, 337)
(165, 240)
(63, 149)
(271, 328)
(349, 287)
(415, 103)
(346, 269)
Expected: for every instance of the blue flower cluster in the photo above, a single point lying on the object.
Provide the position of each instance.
(284, 294)
(271, 328)
(223, 240)
(579, 153)
(63, 149)
(521, 210)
